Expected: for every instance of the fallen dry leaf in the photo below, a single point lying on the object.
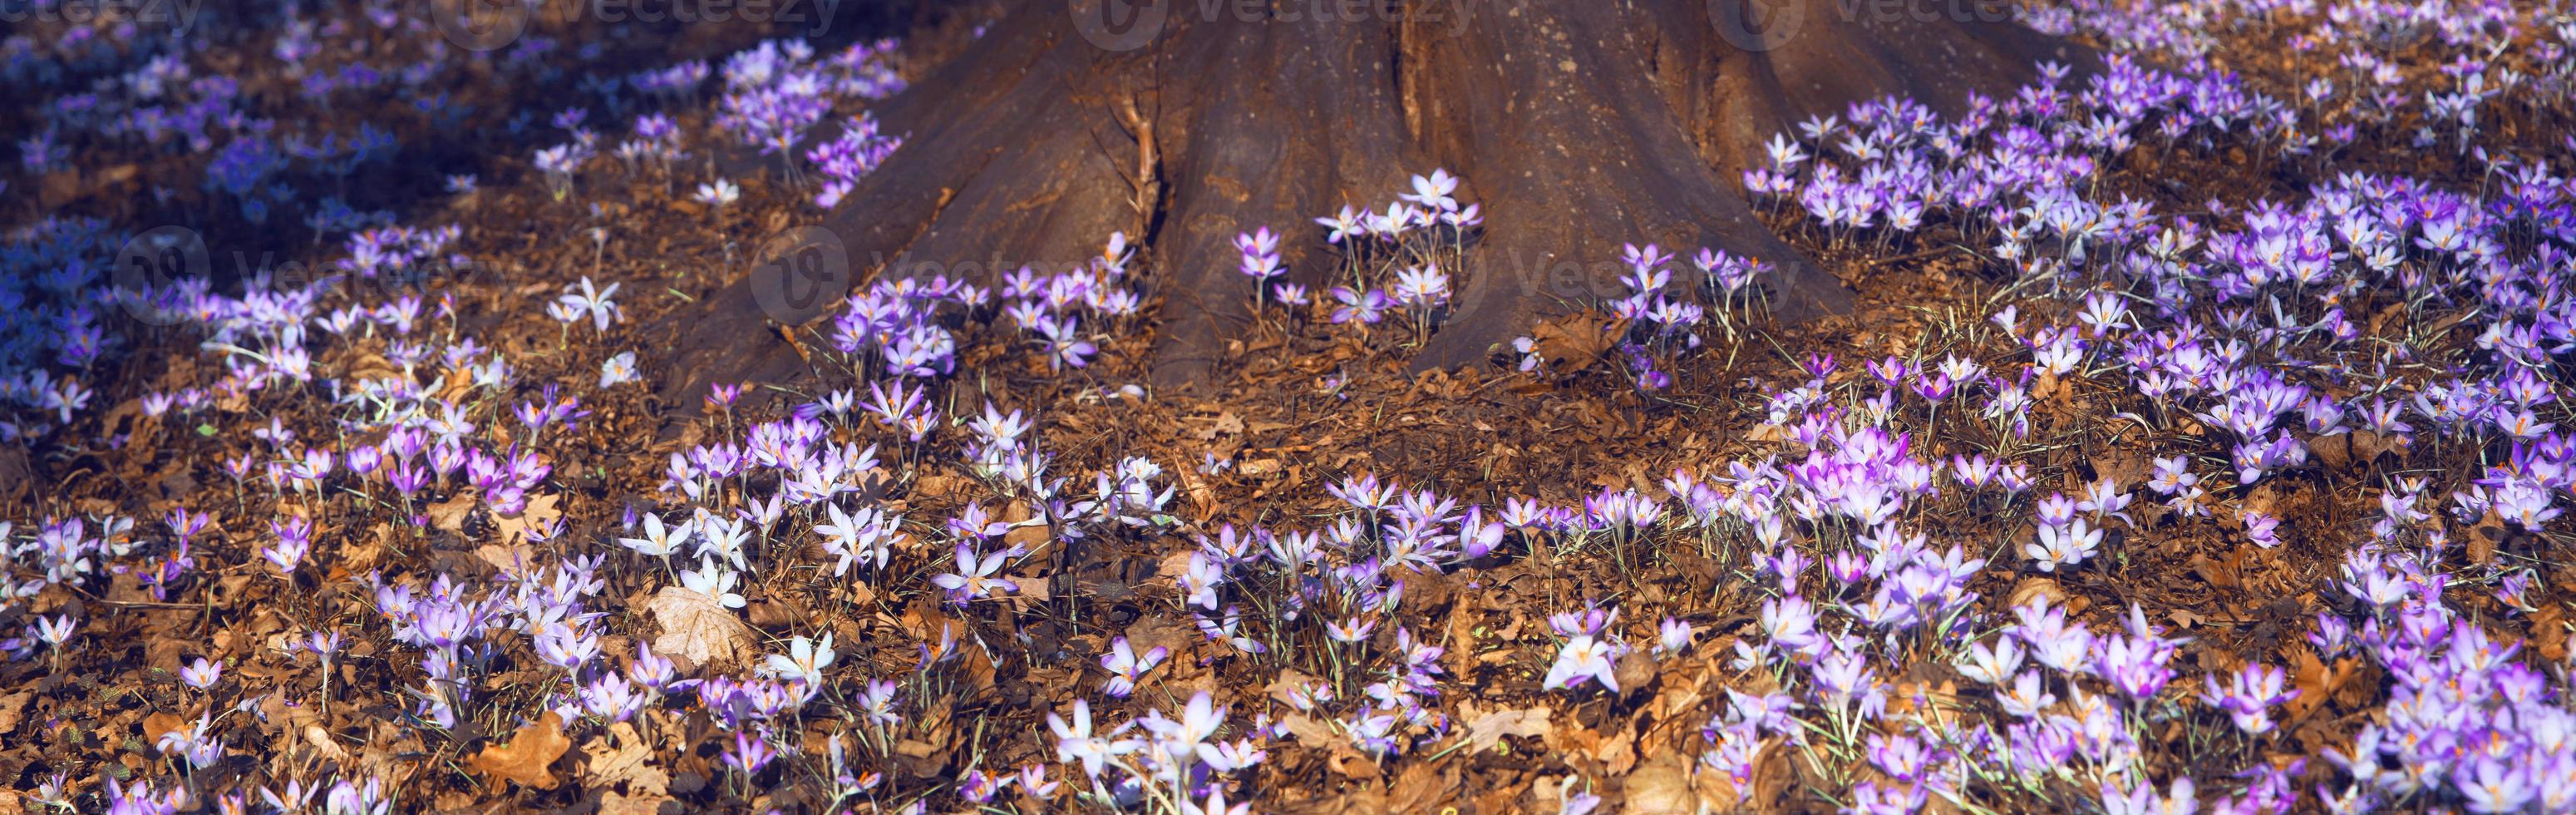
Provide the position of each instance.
(698, 629)
(1678, 693)
(1461, 641)
(1635, 670)
(621, 758)
(450, 514)
(322, 743)
(936, 485)
(13, 708)
(1424, 786)
(2548, 635)
(530, 756)
(517, 560)
(1174, 564)
(622, 804)
(15, 473)
(541, 509)
(1717, 791)
(1162, 631)
(1285, 688)
(2484, 537)
(2316, 683)
(2185, 619)
(1033, 589)
(1575, 341)
(291, 718)
(1617, 753)
(160, 722)
(1490, 729)
(976, 671)
(1202, 497)
(1225, 424)
(2037, 589)
(1030, 537)
(1308, 730)
(1350, 764)
(1662, 784)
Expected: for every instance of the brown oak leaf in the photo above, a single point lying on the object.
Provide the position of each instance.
(700, 630)
(530, 756)
(1487, 730)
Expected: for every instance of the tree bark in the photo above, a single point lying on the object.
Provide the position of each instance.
(1578, 125)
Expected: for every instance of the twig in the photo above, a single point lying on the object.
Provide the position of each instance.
(1147, 181)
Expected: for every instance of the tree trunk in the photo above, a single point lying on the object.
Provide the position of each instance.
(1578, 125)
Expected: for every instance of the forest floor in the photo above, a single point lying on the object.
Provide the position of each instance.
(370, 518)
